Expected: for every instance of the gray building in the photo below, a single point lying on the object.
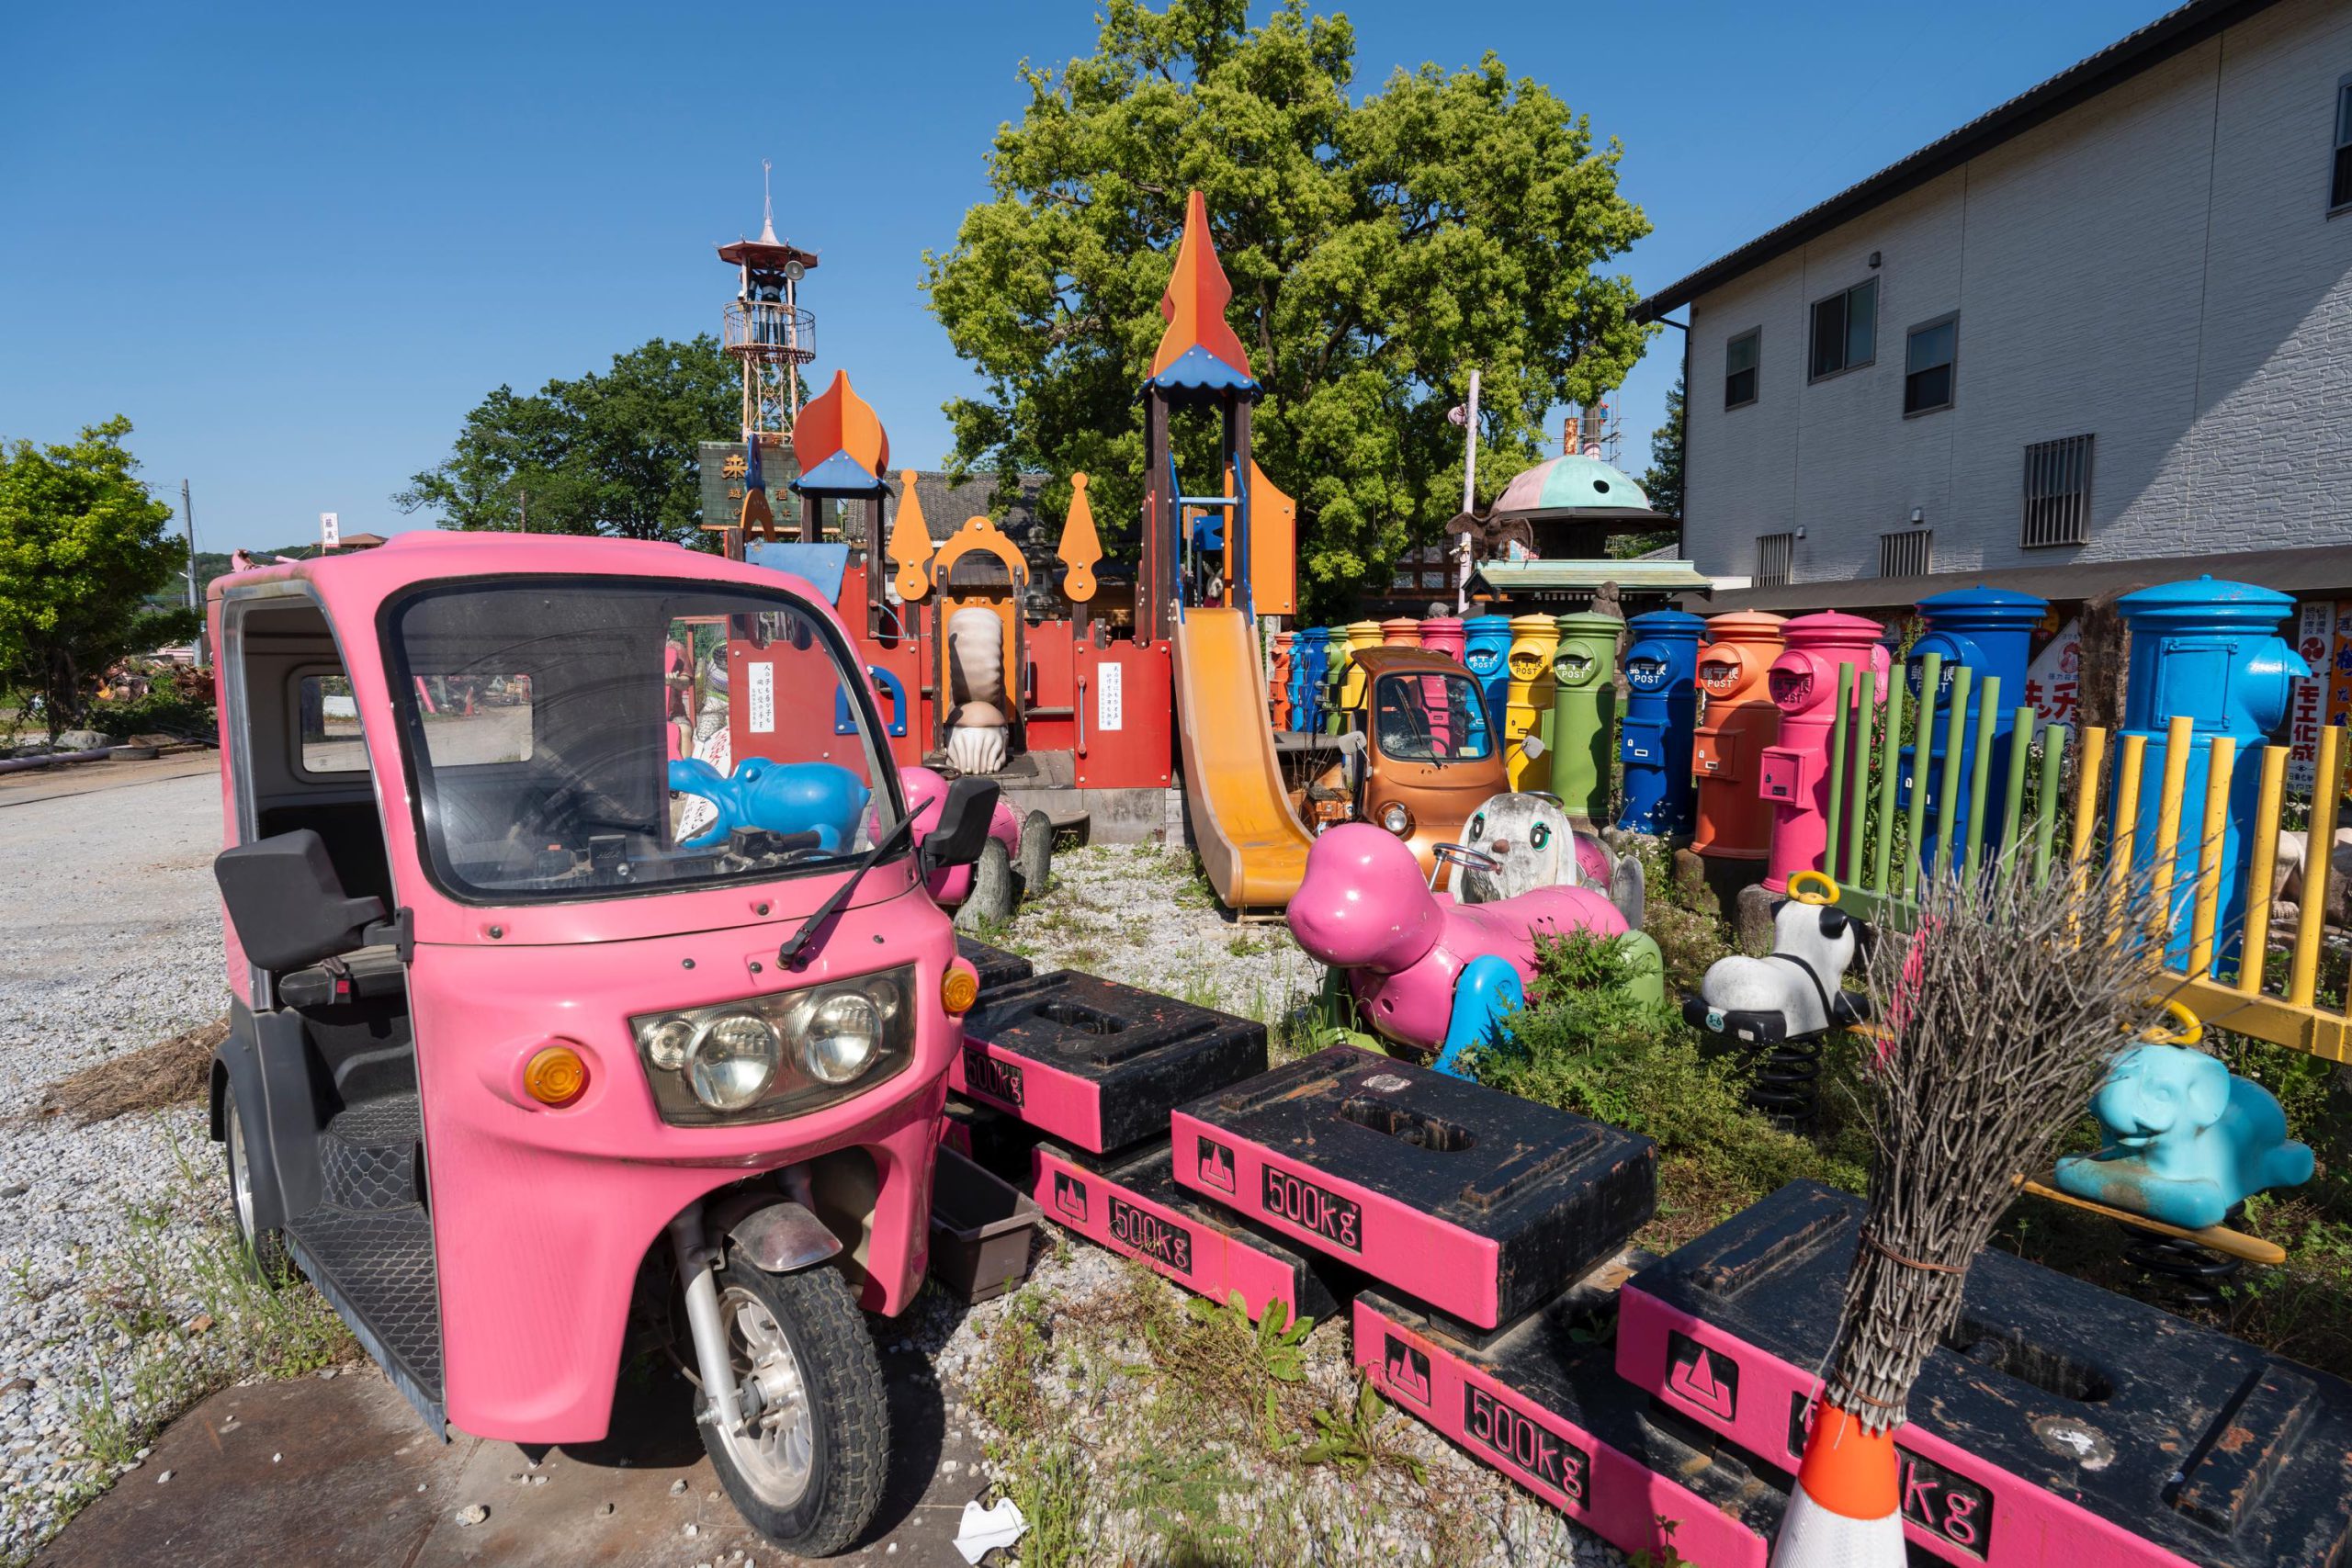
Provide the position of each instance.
(2099, 337)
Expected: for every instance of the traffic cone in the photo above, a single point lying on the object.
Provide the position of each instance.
(1846, 1509)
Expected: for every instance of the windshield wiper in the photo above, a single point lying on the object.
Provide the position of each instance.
(789, 955)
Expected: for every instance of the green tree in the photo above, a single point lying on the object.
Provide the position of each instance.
(1379, 249)
(82, 545)
(1663, 480)
(605, 454)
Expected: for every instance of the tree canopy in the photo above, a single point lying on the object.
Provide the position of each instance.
(82, 545)
(605, 454)
(1664, 481)
(1379, 249)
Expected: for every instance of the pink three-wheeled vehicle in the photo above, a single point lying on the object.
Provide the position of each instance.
(529, 1052)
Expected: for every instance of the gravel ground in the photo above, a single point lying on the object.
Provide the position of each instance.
(113, 1312)
(109, 939)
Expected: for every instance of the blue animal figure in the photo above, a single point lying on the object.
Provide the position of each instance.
(2187, 1139)
(782, 797)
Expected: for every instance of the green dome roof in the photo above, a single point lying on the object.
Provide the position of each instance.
(1570, 483)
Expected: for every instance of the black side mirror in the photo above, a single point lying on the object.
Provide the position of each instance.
(963, 825)
(286, 903)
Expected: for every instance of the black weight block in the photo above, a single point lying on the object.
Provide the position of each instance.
(1480, 1204)
(2059, 1423)
(1094, 1064)
(1134, 1207)
(996, 968)
(1541, 1402)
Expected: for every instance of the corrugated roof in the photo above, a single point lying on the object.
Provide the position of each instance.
(1535, 576)
(2161, 40)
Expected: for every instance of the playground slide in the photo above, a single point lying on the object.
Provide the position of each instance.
(1250, 840)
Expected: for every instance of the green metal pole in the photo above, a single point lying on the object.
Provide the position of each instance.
(1866, 699)
(1948, 789)
(1891, 764)
(2054, 753)
(2013, 791)
(1838, 769)
(1980, 770)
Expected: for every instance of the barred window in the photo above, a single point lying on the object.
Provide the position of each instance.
(2057, 493)
(1907, 554)
(1773, 554)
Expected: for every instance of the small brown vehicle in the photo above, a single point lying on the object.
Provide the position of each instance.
(1429, 755)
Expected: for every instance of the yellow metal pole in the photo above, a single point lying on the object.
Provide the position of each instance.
(2087, 768)
(2127, 829)
(2302, 971)
(2262, 865)
(2178, 735)
(2201, 921)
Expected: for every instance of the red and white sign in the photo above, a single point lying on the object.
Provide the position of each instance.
(2307, 704)
(2053, 681)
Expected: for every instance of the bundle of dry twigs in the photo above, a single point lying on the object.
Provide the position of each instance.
(2000, 1013)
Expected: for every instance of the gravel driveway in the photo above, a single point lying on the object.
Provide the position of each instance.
(110, 940)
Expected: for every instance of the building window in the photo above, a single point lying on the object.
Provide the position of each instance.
(1907, 554)
(1845, 330)
(1740, 358)
(1773, 555)
(2058, 492)
(2339, 190)
(1929, 353)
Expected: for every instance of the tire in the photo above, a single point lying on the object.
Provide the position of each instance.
(993, 893)
(812, 1480)
(263, 1244)
(1036, 861)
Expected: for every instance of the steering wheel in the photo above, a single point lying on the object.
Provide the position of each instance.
(1801, 889)
(2186, 1028)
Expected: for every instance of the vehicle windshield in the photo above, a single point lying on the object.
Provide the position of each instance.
(1431, 717)
(585, 737)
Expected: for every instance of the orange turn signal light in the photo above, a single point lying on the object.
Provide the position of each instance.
(959, 989)
(555, 1076)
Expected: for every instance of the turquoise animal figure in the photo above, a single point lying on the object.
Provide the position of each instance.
(2188, 1139)
(780, 797)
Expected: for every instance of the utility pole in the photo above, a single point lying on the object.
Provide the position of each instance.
(187, 518)
(1469, 496)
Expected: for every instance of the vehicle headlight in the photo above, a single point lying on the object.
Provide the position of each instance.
(844, 1033)
(1395, 818)
(732, 1060)
(764, 1058)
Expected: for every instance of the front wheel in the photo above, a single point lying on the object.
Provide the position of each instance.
(265, 1250)
(808, 1470)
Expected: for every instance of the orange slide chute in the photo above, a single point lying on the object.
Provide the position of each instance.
(1251, 842)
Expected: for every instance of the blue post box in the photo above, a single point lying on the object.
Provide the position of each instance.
(1485, 647)
(2211, 651)
(1661, 716)
(1309, 652)
(1989, 631)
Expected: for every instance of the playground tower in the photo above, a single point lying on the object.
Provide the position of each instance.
(771, 337)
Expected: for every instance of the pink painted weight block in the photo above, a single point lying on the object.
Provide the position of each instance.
(1136, 1211)
(1562, 1426)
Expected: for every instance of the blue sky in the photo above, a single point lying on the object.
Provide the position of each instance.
(295, 244)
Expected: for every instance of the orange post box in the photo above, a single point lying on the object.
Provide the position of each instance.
(1793, 779)
(1737, 722)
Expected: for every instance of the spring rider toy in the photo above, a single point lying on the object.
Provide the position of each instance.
(788, 798)
(2185, 1139)
(1516, 844)
(1426, 971)
(1785, 1003)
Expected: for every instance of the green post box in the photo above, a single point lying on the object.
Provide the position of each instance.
(1584, 715)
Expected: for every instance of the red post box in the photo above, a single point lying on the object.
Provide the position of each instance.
(1793, 779)
(1737, 722)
